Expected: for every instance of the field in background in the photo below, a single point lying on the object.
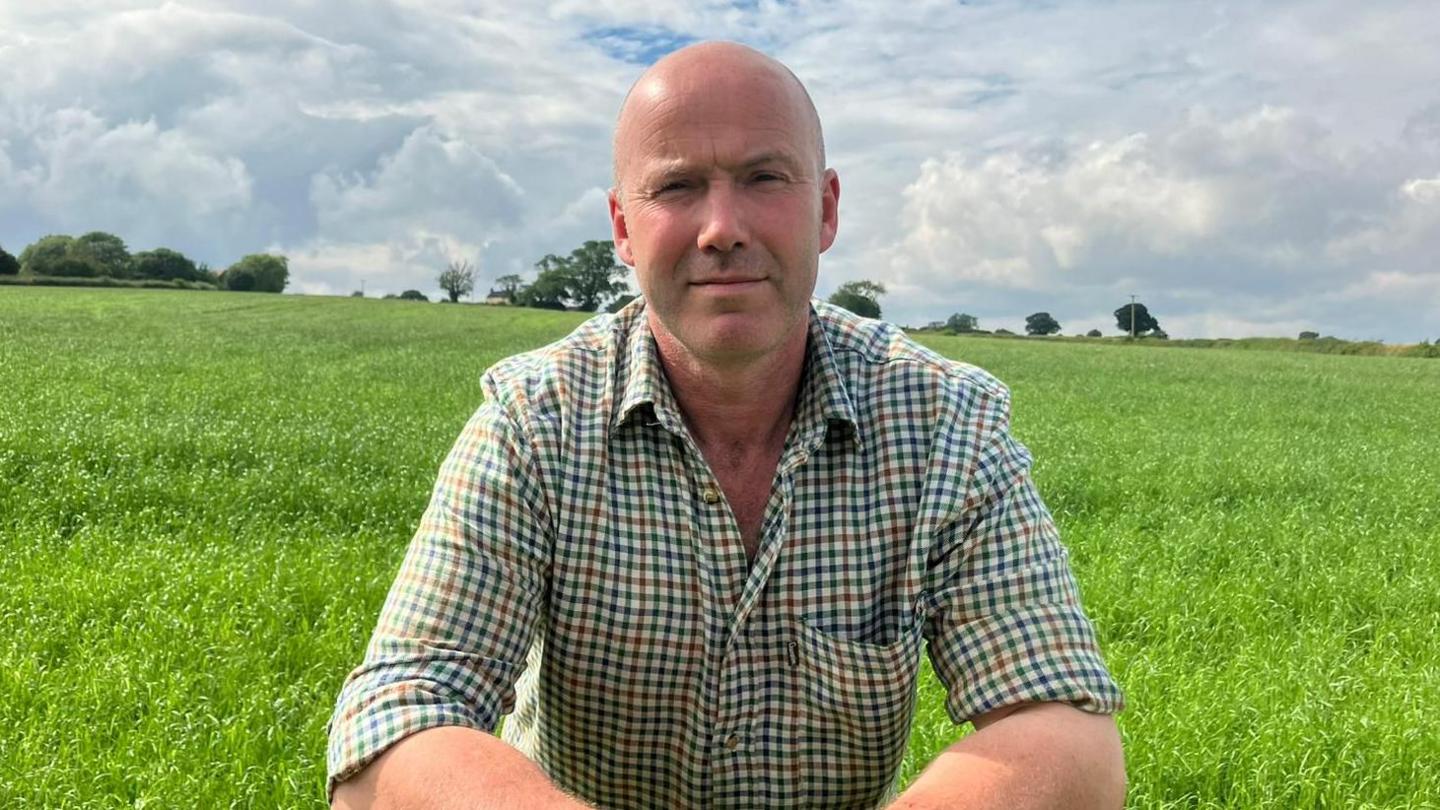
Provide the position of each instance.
(203, 499)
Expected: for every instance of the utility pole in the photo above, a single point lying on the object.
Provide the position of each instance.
(1132, 316)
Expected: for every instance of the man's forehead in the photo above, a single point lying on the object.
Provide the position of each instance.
(763, 99)
(723, 91)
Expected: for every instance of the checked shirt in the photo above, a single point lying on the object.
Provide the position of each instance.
(579, 570)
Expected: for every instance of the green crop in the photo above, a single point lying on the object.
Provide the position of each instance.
(204, 497)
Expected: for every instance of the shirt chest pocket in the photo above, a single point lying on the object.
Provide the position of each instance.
(853, 706)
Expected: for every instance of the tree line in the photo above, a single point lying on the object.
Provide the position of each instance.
(863, 298)
(101, 255)
(1130, 318)
(585, 280)
(1127, 318)
(590, 278)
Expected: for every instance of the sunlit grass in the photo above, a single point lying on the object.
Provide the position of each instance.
(204, 496)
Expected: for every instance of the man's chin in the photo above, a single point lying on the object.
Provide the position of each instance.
(736, 337)
(736, 333)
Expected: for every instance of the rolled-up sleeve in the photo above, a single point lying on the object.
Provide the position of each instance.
(1004, 623)
(459, 619)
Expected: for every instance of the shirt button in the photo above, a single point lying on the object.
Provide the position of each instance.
(732, 742)
(710, 495)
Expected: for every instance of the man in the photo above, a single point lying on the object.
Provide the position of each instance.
(721, 523)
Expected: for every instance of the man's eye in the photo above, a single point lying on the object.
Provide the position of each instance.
(672, 186)
(766, 177)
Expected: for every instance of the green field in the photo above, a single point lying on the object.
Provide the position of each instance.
(204, 496)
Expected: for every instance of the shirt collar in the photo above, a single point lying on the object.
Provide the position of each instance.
(645, 391)
(824, 401)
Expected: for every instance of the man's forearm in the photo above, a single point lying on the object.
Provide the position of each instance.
(451, 768)
(1037, 756)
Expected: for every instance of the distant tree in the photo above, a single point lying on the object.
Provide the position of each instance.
(1041, 324)
(1003, 332)
(40, 256)
(73, 267)
(1094, 333)
(860, 297)
(388, 296)
(621, 302)
(595, 274)
(510, 285)
(413, 295)
(1309, 335)
(9, 265)
(962, 322)
(1159, 333)
(1143, 320)
(548, 291)
(357, 294)
(583, 280)
(167, 264)
(104, 250)
(458, 279)
(258, 272)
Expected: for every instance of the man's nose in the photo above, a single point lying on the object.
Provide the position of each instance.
(723, 227)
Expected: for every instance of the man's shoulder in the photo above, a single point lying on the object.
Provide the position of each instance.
(574, 363)
(881, 354)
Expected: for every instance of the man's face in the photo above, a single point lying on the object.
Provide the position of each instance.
(723, 210)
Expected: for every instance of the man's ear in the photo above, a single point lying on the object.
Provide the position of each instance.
(619, 230)
(829, 208)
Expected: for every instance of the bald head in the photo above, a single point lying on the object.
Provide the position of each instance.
(711, 68)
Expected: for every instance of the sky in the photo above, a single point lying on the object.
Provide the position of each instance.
(1243, 169)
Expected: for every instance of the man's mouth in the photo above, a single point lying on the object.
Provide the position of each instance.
(727, 282)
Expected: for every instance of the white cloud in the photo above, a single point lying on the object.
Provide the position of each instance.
(1265, 207)
(1424, 191)
(122, 173)
(433, 181)
(324, 267)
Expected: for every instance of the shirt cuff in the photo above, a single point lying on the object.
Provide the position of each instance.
(1040, 653)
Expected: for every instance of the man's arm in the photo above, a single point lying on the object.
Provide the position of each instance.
(457, 624)
(451, 768)
(1013, 647)
(1036, 755)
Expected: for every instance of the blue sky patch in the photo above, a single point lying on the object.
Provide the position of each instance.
(638, 45)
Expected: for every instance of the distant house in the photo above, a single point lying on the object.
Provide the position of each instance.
(497, 298)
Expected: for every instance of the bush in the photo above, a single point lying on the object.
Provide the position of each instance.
(106, 251)
(860, 297)
(41, 256)
(164, 263)
(962, 322)
(258, 272)
(1041, 324)
(105, 281)
(72, 267)
(9, 265)
(1309, 335)
(413, 295)
(1094, 333)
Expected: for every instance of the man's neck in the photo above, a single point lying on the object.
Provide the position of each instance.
(736, 405)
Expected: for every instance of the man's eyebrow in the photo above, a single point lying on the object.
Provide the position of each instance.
(673, 167)
(783, 158)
